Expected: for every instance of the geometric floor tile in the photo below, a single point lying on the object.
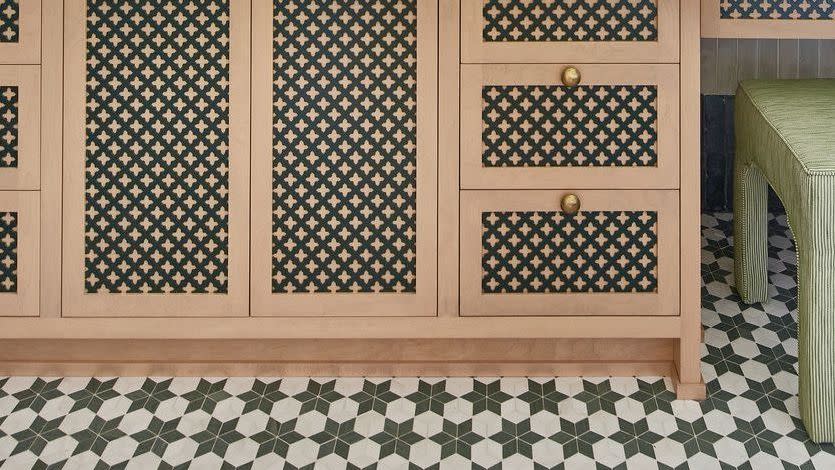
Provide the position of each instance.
(750, 419)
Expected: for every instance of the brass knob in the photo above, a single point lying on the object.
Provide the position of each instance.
(571, 76)
(570, 204)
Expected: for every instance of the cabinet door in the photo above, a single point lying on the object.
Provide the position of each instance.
(20, 31)
(19, 253)
(344, 158)
(523, 254)
(522, 128)
(553, 31)
(156, 162)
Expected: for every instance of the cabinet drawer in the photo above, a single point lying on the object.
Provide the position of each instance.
(19, 253)
(19, 127)
(522, 254)
(522, 128)
(547, 31)
(20, 31)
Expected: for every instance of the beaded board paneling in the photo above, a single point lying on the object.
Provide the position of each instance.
(550, 252)
(777, 9)
(542, 126)
(9, 21)
(9, 116)
(8, 251)
(344, 146)
(570, 20)
(157, 140)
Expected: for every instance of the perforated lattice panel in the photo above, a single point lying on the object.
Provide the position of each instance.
(550, 252)
(542, 126)
(570, 20)
(8, 251)
(10, 20)
(777, 9)
(157, 146)
(9, 110)
(344, 146)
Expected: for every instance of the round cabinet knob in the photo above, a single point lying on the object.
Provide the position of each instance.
(570, 204)
(571, 76)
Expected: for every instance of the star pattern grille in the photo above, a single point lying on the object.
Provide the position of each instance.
(344, 146)
(8, 126)
(777, 10)
(9, 21)
(157, 160)
(570, 20)
(542, 126)
(591, 251)
(8, 251)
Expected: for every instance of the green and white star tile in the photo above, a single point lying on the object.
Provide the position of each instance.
(749, 421)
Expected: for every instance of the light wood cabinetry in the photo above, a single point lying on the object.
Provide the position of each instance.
(273, 187)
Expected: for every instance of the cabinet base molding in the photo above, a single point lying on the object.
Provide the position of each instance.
(344, 357)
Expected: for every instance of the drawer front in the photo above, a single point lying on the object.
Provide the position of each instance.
(523, 128)
(20, 31)
(19, 127)
(545, 31)
(19, 253)
(522, 254)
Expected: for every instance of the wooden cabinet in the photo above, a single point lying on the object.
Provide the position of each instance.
(524, 254)
(19, 253)
(542, 31)
(523, 128)
(344, 158)
(365, 188)
(156, 158)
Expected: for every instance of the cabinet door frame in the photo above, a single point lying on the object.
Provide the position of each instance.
(27, 79)
(77, 303)
(475, 50)
(421, 303)
(663, 302)
(24, 302)
(475, 176)
(27, 50)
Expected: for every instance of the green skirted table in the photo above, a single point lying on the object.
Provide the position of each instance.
(785, 137)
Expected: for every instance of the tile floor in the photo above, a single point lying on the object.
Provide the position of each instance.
(749, 421)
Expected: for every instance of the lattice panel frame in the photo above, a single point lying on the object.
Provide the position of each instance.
(506, 146)
(20, 127)
(366, 301)
(24, 46)
(224, 166)
(481, 297)
(547, 33)
(19, 253)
